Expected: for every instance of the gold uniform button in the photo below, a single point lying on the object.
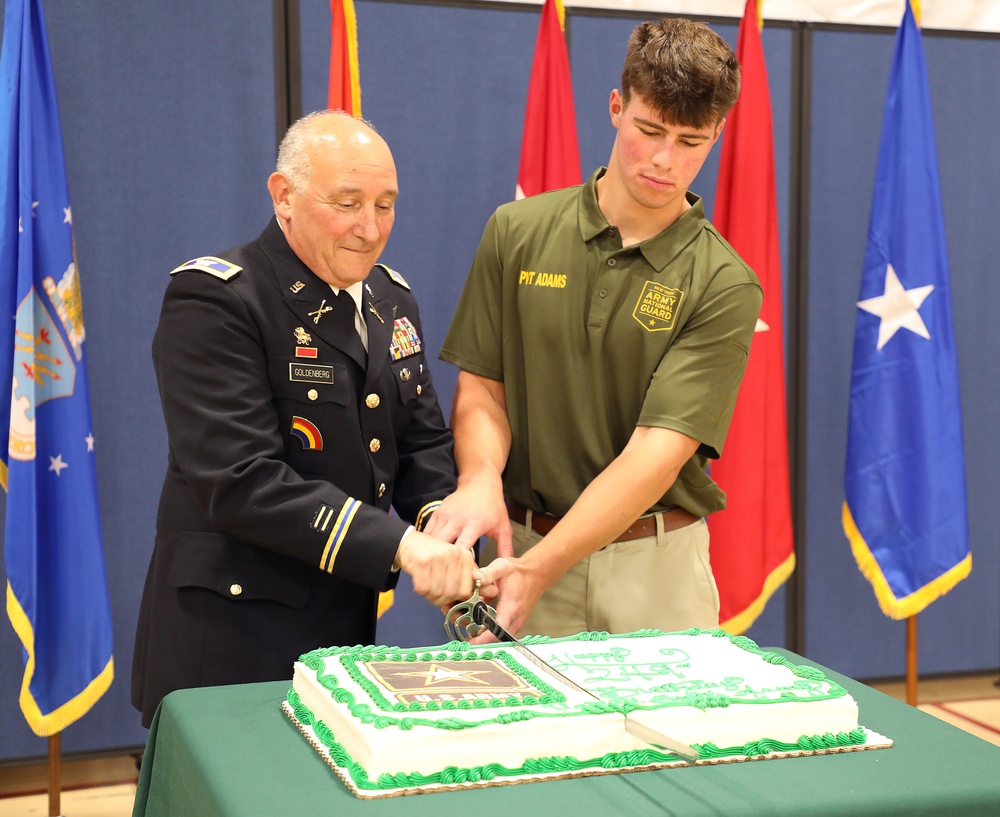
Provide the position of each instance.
(374, 445)
(419, 388)
(312, 394)
(405, 374)
(235, 589)
(381, 490)
(372, 401)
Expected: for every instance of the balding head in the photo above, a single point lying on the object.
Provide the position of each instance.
(334, 190)
(318, 131)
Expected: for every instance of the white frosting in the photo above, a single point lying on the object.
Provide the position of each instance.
(658, 675)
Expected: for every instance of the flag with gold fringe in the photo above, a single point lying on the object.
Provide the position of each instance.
(57, 596)
(550, 156)
(345, 95)
(904, 481)
(345, 83)
(752, 549)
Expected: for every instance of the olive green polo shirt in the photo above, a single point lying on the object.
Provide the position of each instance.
(591, 339)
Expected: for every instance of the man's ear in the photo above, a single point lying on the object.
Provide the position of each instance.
(718, 130)
(615, 107)
(281, 191)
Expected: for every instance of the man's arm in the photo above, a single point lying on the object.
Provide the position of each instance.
(619, 495)
(482, 445)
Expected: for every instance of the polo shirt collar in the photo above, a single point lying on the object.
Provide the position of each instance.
(659, 250)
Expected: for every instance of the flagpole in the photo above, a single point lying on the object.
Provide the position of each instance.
(54, 775)
(911, 660)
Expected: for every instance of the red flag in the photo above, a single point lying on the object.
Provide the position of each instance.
(345, 95)
(752, 549)
(550, 158)
(345, 82)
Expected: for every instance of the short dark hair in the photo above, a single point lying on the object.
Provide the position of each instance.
(685, 71)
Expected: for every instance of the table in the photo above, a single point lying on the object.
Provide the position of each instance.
(224, 751)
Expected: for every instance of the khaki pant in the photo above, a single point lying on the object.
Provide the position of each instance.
(662, 582)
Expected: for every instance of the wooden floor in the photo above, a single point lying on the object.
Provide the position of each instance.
(106, 787)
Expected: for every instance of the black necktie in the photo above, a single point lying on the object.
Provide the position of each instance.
(347, 335)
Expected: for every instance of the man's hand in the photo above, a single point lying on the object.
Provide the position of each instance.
(440, 571)
(475, 509)
(517, 588)
(482, 443)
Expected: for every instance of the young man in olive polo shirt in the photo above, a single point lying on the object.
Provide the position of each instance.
(602, 336)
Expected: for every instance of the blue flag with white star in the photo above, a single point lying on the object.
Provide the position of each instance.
(905, 508)
(57, 596)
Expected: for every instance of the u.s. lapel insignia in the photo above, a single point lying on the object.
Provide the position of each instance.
(297, 287)
(319, 313)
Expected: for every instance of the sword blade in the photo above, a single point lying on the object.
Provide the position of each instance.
(481, 614)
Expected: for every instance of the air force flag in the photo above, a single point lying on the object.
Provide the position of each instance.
(56, 595)
(905, 508)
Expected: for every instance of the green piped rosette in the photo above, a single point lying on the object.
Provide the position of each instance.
(508, 710)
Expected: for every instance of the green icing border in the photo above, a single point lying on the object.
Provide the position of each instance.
(637, 759)
(522, 710)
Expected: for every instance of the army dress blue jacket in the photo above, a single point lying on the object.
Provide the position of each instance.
(274, 533)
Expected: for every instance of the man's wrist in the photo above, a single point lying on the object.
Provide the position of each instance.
(399, 548)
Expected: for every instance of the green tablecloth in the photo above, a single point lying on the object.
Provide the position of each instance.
(232, 751)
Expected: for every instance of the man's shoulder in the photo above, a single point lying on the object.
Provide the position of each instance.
(234, 266)
(541, 205)
(723, 257)
(214, 265)
(382, 271)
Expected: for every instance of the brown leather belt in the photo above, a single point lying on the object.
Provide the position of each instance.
(542, 523)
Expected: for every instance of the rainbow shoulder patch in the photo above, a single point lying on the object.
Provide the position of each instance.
(306, 433)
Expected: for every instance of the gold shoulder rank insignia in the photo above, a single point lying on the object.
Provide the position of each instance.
(395, 276)
(211, 265)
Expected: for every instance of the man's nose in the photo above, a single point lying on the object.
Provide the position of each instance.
(664, 156)
(366, 226)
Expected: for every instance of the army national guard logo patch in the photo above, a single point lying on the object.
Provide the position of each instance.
(657, 307)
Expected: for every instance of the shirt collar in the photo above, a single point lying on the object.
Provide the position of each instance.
(658, 250)
(354, 290)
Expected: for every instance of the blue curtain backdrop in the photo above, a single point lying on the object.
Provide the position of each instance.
(169, 131)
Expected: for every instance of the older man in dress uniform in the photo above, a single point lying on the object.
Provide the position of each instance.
(299, 410)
